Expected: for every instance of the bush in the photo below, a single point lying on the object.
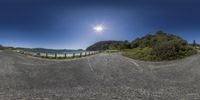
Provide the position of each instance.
(165, 51)
(160, 46)
(172, 50)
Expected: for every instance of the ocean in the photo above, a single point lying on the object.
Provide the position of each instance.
(55, 51)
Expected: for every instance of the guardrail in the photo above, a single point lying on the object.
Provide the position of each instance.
(60, 55)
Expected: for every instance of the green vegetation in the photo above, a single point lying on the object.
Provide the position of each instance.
(111, 51)
(163, 47)
(153, 47)
(109, 45)
(159, 53)
(139, 53)
(158, 38)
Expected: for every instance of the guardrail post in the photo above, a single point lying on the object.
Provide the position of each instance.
(80, 54)
(65, 55)
(89, 52)
(38, 54)
(46, 54)
(55, 55)
(73, 55)
(85, 53)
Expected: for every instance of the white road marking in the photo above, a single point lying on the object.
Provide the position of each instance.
(137, 65)
(90, 65)
(131, 61)
(134, 63)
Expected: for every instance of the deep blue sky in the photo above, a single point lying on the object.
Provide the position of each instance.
(69, 23)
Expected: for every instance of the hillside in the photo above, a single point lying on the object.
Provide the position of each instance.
(160, 46)
(157, 47)
(105, 45)
(153, 40)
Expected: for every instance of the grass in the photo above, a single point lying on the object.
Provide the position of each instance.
(147, 54)
(139, 53)
(111, 51)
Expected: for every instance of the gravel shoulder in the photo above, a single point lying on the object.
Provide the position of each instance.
(99, 77)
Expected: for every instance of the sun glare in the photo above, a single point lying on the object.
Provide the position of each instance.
(98, 28)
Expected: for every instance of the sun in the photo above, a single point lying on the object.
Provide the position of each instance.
(98, 28)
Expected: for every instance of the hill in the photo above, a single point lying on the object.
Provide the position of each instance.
(105, 45)
(157, 47)
(160, 46)
(153, 40)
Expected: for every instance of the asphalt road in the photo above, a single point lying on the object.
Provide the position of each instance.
(98, 77)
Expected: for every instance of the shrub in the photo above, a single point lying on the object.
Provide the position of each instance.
(172, 50)
(161, 46)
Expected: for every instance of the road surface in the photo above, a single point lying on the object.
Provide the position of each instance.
(98, 77)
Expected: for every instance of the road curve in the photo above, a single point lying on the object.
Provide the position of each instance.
(98, 77)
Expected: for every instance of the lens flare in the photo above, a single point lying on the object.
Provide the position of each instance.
(98, 28)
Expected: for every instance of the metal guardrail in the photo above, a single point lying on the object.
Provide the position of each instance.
(60, 55)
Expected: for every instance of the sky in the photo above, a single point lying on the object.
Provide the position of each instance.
(69, 24)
